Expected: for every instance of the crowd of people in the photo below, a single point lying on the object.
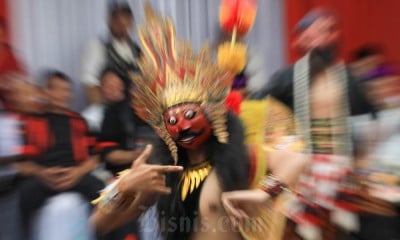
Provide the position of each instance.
(186, 140)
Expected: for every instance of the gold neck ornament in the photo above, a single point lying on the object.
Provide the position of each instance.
(192, 177)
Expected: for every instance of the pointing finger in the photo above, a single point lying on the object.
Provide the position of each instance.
(167, 168)
(144, 155)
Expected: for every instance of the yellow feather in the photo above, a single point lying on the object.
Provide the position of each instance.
(197, 178)
(202, 173)
(185, 187)
(232, 58)
(192, 180)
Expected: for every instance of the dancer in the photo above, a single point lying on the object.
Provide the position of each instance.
(182, 96)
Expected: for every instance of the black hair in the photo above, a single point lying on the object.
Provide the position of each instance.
(367, 50)
(50, 74)
(115, 8)
(108, 70)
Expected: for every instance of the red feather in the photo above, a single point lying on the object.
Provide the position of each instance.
(239, 14)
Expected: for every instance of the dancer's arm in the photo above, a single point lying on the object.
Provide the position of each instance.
(128, 197)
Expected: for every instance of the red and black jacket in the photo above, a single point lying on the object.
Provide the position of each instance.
(40, 138)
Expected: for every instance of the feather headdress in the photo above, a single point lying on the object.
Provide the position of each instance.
(172, 74)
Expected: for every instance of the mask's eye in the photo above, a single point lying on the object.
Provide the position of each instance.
(172, 120)
(189, 114)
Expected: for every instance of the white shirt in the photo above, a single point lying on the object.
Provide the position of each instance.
(94, 59)
(94, 115)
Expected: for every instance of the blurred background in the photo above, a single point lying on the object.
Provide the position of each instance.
(53, 34)
(51, 65)
(48, 33)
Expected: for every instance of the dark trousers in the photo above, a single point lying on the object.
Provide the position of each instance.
(10, 227)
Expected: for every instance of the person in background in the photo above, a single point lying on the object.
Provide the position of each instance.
(112, 90)
(25, 106)
(61, 161)
(383, 87)
(322, 93)
(27, 102)
(367, 59)
(379, 77)
(117, 51)
(123, 134)
(112, 123)
(11, 140)
(121, 140)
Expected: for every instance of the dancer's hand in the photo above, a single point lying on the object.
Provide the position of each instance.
(143, 177)
(237, 203)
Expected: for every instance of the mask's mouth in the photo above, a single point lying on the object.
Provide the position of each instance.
(188, 136)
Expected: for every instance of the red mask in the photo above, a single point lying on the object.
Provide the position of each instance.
(187, 125)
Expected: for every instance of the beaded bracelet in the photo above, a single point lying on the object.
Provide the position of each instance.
(271, 185)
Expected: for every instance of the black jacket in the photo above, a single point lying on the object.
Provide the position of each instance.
(123, 129)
